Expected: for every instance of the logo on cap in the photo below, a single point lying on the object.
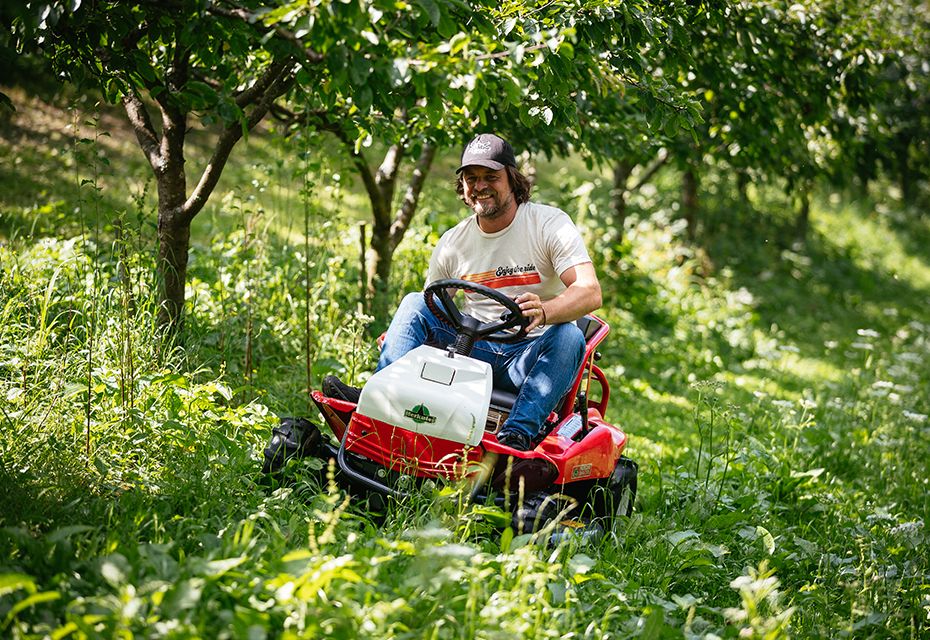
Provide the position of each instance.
(479, 146)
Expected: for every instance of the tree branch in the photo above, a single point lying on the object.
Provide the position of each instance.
(260, 86)
(650, 171)
(379, 211)
(386, 178)
(412, 196)
(177, 75)
(145, 132)
(228, 139)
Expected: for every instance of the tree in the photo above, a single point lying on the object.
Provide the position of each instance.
(630, 126)
(168, 62)
(432, 74)
(883, 123)
(415, 77)
(760, 71)
(804, 91)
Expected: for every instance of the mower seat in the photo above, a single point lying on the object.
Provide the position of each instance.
(505, 399)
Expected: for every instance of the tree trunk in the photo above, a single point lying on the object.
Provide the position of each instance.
(802, 222)
(905, 173)
(622, 171)
(386, 238)
(174, 235)
(742, 189)
(173, 249)
(689, 200)
(165, 153)
(380, 261)
(174, 232)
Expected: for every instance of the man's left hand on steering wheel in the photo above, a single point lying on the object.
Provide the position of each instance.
(532, 308)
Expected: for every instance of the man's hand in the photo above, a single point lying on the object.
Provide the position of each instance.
(532, 308)
(582, 295)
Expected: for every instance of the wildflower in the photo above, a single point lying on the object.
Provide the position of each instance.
(913, 416)
(862, 346)
(918, 326)
(743, 296)
(908, 528)
(898, 371)
(909, 532)
(761, 613)
(867, 333)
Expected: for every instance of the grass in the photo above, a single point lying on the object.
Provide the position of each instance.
(775, 392)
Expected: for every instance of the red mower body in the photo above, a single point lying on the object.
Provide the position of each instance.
(579, 449)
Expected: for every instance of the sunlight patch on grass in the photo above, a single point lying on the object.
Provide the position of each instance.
(650, 393)
(876, 243)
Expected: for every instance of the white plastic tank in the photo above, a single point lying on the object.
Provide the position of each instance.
(428, 392)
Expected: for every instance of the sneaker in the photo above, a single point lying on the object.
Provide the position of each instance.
(515, 439)
(333, 387)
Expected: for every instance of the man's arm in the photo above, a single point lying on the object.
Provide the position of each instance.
(581, 296)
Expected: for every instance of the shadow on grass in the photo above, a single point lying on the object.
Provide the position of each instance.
(816, 290)
(44, 196)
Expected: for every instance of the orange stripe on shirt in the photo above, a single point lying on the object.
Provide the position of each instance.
(480, 277)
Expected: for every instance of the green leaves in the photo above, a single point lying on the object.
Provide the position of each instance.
(11, 583)
(431, 9)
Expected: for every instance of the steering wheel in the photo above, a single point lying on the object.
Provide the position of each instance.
(464, 324)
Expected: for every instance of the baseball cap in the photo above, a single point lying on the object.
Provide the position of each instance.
(488, 150)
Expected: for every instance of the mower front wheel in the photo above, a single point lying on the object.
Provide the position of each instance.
(538, 509)
(292, 438)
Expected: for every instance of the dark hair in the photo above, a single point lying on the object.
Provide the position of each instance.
(519, 184)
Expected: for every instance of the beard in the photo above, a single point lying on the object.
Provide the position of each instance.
(493, 209)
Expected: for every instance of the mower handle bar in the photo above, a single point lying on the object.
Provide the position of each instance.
(364, 480)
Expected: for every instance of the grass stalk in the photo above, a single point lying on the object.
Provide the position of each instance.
(305, 195)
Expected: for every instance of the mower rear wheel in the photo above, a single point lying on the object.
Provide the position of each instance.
(615, 495)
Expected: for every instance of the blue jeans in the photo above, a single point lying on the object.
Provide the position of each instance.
(539, 370)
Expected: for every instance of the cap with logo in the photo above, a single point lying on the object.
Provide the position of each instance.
(488, 150)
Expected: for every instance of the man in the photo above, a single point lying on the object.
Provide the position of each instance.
(530, 252)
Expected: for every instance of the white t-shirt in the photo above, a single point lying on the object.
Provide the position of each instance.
(528, 256)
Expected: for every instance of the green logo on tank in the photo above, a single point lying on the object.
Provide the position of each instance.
(420, 414)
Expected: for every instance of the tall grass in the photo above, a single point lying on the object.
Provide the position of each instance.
(776, 400)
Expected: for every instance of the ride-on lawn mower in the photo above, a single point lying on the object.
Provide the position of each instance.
(435, 414)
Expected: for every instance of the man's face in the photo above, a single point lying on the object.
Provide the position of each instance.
(487, 191)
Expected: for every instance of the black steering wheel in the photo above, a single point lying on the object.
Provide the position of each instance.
(465, 325)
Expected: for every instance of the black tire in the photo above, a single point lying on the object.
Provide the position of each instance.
(292, 438)
(615, 496)
(537, 510)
